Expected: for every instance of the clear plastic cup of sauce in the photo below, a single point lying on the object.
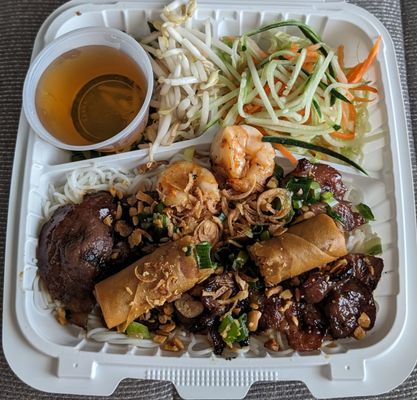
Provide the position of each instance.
(89, 89)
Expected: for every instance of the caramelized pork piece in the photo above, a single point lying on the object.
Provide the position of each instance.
(73, 246)
(366, 269)
(306, 326)
(346, 306)
(216, 288)
(328, 178)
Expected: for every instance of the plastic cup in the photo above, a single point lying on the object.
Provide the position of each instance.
(73, 40)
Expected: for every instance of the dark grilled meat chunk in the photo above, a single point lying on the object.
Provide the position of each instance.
(328, 178)
(216, 287)
(306, 327)
(272, 315)
(73, 245)
(344, 306)
(366, 269)
(350, 219)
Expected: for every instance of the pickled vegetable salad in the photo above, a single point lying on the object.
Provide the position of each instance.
(284, 85)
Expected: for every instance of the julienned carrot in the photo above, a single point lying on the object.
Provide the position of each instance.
(363, 99)
(313, 47)
(252, 108)
(366, 88)
(343, 135)
(286, 153)
(367, 63)
(353, 71)
(341, 56)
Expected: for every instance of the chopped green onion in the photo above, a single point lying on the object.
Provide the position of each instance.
(331, 202)
(310, 146)
(244, 331)
(297, 204)
(240, 260)
(188, 251)
(159, 208)
(160, 220)
(264, 235)
(138, 330)
(365, 211)
(233, 330)
(278, 172)
(257, 230)
(222, 216)
(373, 246)
(315, 191)
(229, 329)
(326, 195)
(202, 253)
(333, 214)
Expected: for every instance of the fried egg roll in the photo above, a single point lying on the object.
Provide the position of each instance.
(307, 245)
(149, 282)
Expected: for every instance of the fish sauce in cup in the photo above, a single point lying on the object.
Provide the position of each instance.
(89, 94)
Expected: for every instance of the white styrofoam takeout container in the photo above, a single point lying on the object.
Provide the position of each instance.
(53, 358)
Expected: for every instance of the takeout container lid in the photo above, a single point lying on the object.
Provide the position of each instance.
(60, 359)
(80, 37)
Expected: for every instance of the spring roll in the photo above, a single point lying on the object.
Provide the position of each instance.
(149, 282)
(307, 245)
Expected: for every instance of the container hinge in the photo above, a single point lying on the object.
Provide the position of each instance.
(76, 366)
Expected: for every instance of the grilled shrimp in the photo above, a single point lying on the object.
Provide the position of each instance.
(241, 158)
(184, 183)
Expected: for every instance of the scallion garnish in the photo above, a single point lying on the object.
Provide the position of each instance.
(278, 172)
(202, 254)
(240, 260)
(310, 146)
(138, 331)
(373, 246)
(264, 235)
(365, 211)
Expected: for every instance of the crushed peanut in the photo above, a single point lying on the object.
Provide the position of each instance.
(364, 321)
(359, 333)
(160, 339)
(133, 211)
(131, 200)
(174, 345)
(271, 344)
(253, 320)
(286, 294)
(60, 316)
(108, 220)
(163, 319)
(271, 291)
(135, 220)
(122, 228)
(119, 211)
(167, 327)
(168, 308)
(135, 238)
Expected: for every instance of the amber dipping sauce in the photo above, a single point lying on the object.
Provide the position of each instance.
(90, 94)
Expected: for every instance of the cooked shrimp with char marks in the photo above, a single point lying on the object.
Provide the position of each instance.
(241, 159)
(184, 183)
